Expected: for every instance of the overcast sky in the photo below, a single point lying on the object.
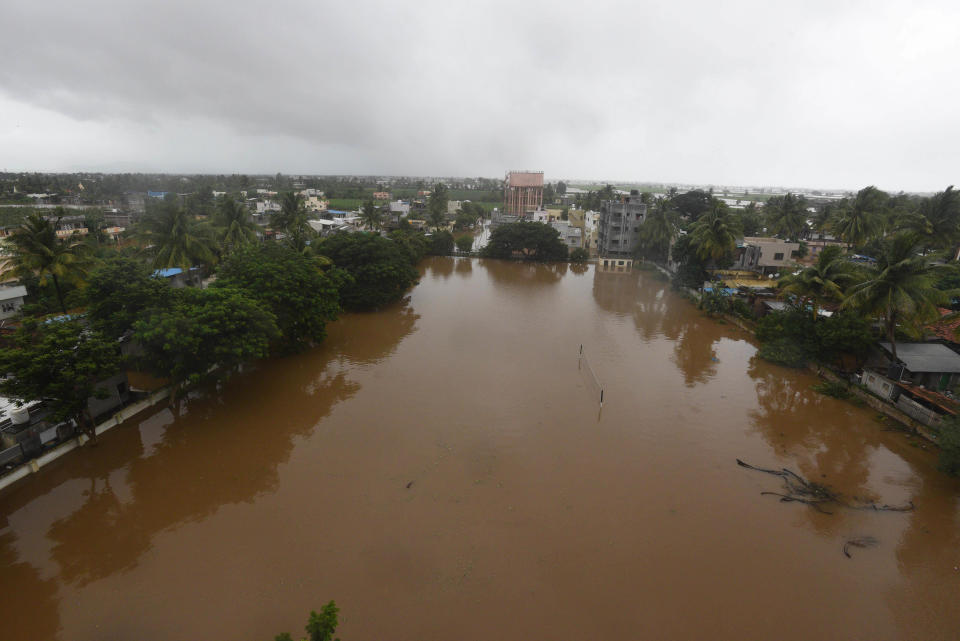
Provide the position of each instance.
(829, 94)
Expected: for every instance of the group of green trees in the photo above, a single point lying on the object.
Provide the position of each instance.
(525, 240)
(270, 296)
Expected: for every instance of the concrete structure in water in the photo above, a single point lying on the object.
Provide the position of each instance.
(617, 226)
(522, 192)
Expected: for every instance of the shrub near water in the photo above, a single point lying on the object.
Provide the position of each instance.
(949, 442)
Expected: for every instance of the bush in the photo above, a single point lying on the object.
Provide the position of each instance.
(464, 243)
(783, 351)
(441, 243)
(949, 442)
(579, 255)
(829, 388)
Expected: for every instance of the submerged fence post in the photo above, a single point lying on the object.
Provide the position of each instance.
(601, 398)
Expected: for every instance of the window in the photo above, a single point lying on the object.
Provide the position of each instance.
(9, 307)
(778, 256)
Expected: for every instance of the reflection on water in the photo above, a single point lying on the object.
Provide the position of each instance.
(442, 465)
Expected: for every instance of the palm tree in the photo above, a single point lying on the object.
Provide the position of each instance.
(34, 249)
(293, 210)
(825, 280)
(942, 214)
(715, 235)
(292, 220)
(236, 227)
(787, 215)
(659, 228)
(900, 288)
(860, 218)
(370, 215)
(174, 238)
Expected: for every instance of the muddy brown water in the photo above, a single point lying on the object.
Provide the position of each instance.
(532, 513)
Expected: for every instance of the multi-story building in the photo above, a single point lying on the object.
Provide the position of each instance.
(765, 255)
(618, 224)
(522, 192)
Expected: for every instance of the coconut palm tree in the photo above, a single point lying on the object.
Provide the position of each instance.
(174, 238)
(826, 280)
(34, 249)
(370, 215)
(787, 215)
(659, 228)
(235, 226)
(899, 289)
(715, 235)
(942, 214)
(292, 221)
(860, 218)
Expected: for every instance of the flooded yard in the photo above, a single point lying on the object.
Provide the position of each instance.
(443, 470)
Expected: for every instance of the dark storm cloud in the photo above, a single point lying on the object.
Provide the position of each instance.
(818, 93)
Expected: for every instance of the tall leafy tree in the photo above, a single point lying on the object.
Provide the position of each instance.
(437, 206)
(119, 291)
(824, 281)
(35, 250)
(529, 241)
(62, 362)
(900, 289)
(715, 235)
(296, 288)
(236, 229)
(787, 215)
(201, 330)
(380, 269)
(860, 218)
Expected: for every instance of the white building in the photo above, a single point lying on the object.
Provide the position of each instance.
(400, 208)
(11, 300)
(264, 206)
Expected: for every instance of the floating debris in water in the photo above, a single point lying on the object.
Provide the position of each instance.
(800, 490)
(861, 542)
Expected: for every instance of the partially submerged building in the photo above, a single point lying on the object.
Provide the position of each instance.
(617, 226)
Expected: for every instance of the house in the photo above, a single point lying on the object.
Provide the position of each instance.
(765, 255)
(325, 226)
(571, 236)
(399, 208)
(381, 195)
(314, 203)
(930, 365)
(11, 300)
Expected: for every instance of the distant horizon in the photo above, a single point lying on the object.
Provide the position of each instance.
(547, 179)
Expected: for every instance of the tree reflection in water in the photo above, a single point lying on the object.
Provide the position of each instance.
(191, 471)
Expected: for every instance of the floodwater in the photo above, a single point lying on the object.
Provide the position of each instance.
(443, 470)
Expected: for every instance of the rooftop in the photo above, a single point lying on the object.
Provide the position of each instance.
(927, 357)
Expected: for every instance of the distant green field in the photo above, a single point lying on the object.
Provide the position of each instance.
(473, 195)
(346, 204)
